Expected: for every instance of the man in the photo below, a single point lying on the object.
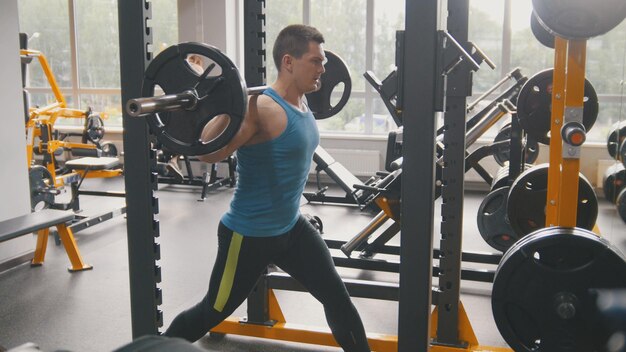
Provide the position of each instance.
(275, 145)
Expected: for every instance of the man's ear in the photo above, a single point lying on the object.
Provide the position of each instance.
(287, 63)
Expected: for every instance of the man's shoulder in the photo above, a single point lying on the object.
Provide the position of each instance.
(267, 105)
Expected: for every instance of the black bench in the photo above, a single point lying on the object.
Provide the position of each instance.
(40, 222)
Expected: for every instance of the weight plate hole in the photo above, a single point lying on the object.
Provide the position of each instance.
(199, 63)
(214, 128)
(334, 97)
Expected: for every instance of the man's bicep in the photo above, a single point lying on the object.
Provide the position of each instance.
(246, 131)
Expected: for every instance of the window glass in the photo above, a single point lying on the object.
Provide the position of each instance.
(605, 69)
(388, 18)
(164, 24)
(485, 30)
(109, 104)
(343, 24)
(47, 25)
(345, 35)
(279, 13)
(526, 51)
(97, 42)
(349, 119)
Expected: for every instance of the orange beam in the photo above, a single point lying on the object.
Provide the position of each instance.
(574, 87)
(558, 109)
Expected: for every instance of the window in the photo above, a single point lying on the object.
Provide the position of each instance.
(81, 42)
(348, 26)
(500, 28)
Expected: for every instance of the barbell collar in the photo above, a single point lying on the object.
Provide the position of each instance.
(139, 107)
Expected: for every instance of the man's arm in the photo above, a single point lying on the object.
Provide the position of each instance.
(247, 130)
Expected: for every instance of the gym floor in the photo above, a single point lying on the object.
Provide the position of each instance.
(90, 311)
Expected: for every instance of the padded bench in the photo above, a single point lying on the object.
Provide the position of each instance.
(40, 222)
(91, 163)
(344, 178)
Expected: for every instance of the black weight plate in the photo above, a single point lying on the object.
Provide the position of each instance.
(531, 149)
(579, 19)
(95, 128)
(541, 299)
(40, 180)
(621, 204)
(502, 177)
(527, 201)
(223, 93)
(336, 72)
(616, 136)
(108, 149)
(622, 153)
(493, 223)
(534, 106)
(613, 181)
(543, 36)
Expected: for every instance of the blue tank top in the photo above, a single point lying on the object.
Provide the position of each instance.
(272, 176)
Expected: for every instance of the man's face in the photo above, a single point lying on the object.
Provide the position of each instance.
(308, 69)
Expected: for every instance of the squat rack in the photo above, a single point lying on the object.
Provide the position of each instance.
(420, 81)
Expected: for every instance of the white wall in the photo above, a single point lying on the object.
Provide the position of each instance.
(14, 193)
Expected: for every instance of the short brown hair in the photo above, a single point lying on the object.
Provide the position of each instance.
(294, 40)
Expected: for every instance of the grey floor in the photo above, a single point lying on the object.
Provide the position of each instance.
(90, 311)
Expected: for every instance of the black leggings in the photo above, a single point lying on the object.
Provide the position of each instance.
(240, 261)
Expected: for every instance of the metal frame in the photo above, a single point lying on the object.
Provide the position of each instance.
(414, 293)
(458, 88)
(418, 179)
(142, 205)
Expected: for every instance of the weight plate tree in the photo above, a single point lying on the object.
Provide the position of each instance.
(527, 200)
(621, 204)
(531, 147)
(534, 106)
(542, 298)
(493, 222)
(613, 181)
(616, 136)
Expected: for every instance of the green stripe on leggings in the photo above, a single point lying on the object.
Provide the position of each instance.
(228, 275)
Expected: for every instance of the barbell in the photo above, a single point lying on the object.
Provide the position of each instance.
(193, 98)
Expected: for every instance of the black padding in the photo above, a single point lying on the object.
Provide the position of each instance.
(93, 163)
(88, 152)
(151, 343)
(32, 222)
(322, 158)
(335, 170)
(343, 177)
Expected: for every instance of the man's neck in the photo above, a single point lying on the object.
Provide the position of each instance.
(289, 93)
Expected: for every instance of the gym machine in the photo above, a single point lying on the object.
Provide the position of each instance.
(209, 180)
(98, 159)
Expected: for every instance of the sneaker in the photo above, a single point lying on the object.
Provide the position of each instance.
(174, 170)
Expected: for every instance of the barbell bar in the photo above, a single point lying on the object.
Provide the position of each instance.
(186, 100)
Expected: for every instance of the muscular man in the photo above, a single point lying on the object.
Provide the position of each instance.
(274, 145)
